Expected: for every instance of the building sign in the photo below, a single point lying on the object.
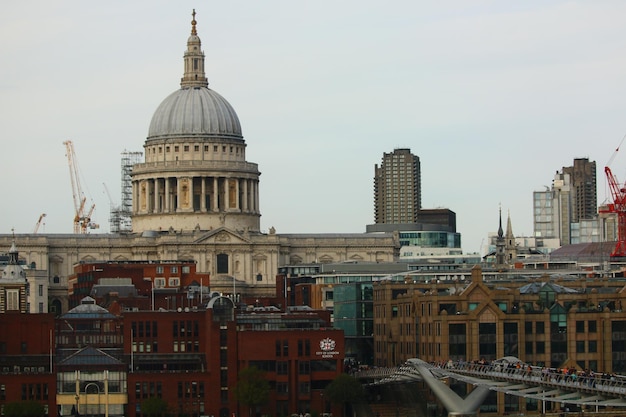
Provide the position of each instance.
(327, 348)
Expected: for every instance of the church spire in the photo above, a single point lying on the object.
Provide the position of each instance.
(194, 76)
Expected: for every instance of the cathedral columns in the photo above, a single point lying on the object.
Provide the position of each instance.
(203, 194)
(237, 205)
(156, 208)
(216, 192)
(244, 206)
(226, 194)
(167, 195)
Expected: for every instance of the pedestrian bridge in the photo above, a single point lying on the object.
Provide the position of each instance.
(544, 384)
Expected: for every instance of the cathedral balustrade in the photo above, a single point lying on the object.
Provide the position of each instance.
(214, 165)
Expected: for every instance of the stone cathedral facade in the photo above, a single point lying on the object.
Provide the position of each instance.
(196, 197)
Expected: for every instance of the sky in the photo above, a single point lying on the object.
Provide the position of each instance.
(494, 97)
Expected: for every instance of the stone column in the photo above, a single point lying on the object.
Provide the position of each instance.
(177, 196)
(203, 194)
(157, 209)
(237, 202)
(256, 196)
(167, 195)
(226, 194)
(244, 205)
(215, 194)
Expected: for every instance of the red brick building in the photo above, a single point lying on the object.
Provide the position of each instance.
(103, 363)
(26, 359)
(139, 285)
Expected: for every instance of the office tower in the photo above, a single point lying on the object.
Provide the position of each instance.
(397, 188)
(584, 190)
(568, 209)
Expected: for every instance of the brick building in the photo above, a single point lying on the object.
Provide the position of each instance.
(101, 363)
(550, 321)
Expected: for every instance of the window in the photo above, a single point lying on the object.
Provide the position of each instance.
(282, 367)
(174, 270)
(592, 326)
(580, 346)
(304, 367)
(174, 282)
(159, 270)
(40, 290)
(185, 269)
(159, 282)
(222, 263)
(13, 299)
(580, 327)
(186, 148)
(540, 347)
(540, 327)
(593, 347)
(282, 388)
(528, 327)
(529, 348)
(304, 387)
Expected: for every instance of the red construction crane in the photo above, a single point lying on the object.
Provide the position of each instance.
(618, 193)
(618, 206)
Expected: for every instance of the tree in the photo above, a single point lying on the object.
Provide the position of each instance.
(344, 390)
(24, 409)
(154, 407)
(252, 388)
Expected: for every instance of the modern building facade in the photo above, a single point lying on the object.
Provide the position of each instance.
(434, 235)
(397, 188)
(568, 209)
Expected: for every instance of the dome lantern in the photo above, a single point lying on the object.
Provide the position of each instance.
(194, 75)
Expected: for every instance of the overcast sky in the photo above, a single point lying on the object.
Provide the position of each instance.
(493, 96)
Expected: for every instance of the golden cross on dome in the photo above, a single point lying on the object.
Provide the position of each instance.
(193, 23)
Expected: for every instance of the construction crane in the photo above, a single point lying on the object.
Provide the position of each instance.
(618, 206)
(82, 220)
(36, 229)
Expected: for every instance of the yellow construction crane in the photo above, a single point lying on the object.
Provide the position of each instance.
(82, 220)
(36, 229)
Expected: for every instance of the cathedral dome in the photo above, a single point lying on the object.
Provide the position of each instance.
(194, 111)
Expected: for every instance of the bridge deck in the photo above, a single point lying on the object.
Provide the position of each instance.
(532, 382)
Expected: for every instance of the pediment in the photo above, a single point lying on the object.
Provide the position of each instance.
(488, 312)
(222, 236)
(478, 293)
(295, 260)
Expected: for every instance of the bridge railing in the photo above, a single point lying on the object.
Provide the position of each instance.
(594, 383)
